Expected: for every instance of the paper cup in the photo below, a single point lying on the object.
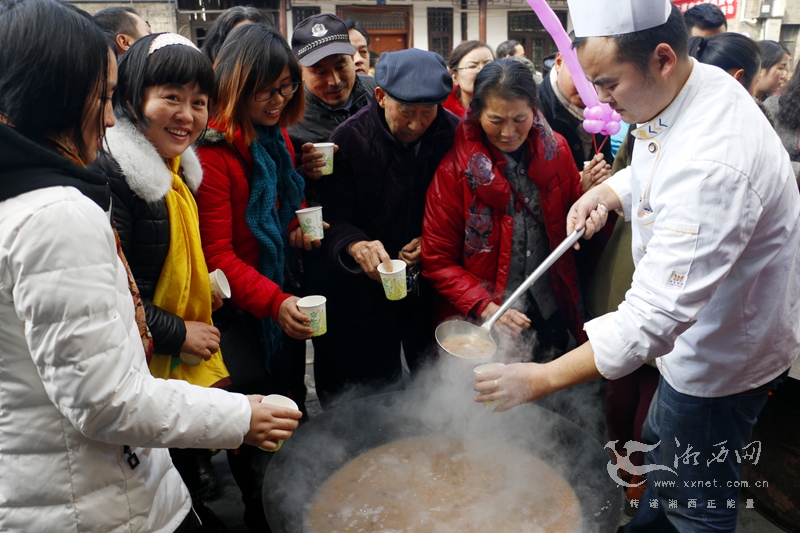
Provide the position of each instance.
(311, 222)
(314, 308)
(481, 368)
(280, 401)
(394, 283)
(190, 359)
(327, 155)
(219, 284)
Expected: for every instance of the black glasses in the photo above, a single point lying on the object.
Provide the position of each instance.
(285, 90)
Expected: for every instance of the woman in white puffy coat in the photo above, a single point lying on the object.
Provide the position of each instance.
(83, 424)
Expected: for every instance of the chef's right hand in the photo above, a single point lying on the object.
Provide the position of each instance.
(512, 323)
(202, 340)
(292, 321)
(591, 211)
(269, 423)
(370, 254)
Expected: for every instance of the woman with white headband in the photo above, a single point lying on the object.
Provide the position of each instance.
(161, 104)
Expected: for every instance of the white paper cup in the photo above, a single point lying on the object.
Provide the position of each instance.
(314, 308)
(481, 368)
(311, 222)
(190, 359)
(280, 401)
(219, 284)
(327, 155)
(394, 282)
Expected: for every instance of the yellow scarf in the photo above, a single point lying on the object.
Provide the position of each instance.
(183, 287)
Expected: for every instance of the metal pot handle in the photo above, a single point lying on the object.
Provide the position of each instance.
(565, 245)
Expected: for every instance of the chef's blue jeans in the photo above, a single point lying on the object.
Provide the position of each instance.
(715, 434)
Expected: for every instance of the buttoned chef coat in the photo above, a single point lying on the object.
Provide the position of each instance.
(716, 231)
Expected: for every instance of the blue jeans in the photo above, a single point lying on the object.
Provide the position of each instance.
(715, 434)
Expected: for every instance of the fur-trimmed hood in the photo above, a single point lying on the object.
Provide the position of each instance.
(144, 170)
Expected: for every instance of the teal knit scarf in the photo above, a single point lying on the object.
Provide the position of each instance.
(274, 179)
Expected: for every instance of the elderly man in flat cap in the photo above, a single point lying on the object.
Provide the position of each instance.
(374, 201)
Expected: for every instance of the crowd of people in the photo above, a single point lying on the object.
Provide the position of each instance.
(152, 163)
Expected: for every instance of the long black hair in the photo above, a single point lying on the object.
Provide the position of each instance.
(53, 61)
(218, 32)
(772, 52)
(789, 112)
(505, 78)
(139, 69)
(729, 51)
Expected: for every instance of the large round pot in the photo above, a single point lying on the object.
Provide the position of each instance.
(329, 441)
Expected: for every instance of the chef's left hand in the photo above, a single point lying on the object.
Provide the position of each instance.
(411, 252)
(513, 385)
(298, 240)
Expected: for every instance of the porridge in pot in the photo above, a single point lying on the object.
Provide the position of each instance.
(442, 485)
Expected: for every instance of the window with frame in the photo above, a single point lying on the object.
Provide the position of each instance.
(440, 30)
(299, 14)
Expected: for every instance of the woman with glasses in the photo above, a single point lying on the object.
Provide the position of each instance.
(467, 59)
(247, 205)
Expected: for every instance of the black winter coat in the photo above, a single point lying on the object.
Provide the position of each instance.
(376, 192)
(144, 233)
(564, 123)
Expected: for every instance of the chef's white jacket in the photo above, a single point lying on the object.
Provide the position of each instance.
(716, 232)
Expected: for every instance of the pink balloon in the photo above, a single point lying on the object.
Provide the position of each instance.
(595, 111)
(612, 128)
(593, 126)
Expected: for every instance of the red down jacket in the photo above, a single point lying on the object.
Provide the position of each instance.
(228, 243)
(467, 235)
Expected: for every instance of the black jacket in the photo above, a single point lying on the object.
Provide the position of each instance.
(144, 230)
(564, 123)
(28, 166)
(378, 186)
(319, 119)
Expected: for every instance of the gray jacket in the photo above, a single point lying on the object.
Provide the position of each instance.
(789, 137)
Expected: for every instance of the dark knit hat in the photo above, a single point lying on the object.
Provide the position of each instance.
(320, 36)
(414, 76)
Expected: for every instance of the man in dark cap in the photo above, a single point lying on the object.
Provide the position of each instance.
(374, 202)
(333, 90)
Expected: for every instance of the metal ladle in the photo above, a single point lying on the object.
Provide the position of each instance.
(451, 328)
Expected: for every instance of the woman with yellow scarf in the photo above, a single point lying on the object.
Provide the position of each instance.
(161, 104)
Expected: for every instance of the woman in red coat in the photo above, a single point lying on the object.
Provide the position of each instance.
(497, 207)
(248, 227)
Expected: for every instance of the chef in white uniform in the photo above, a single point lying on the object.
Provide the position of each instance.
(716, 243)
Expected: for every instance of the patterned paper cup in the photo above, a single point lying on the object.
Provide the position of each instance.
(311, 222)
(327, 156)
(481, 368)
(314, 308)
(219, 284)
(280, 401)
(394, 283)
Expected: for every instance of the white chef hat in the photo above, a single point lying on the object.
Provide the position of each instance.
(603, 18)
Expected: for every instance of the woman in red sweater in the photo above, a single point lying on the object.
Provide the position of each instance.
(247, 205)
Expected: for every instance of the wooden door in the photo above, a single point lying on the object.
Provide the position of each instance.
(389, 42)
